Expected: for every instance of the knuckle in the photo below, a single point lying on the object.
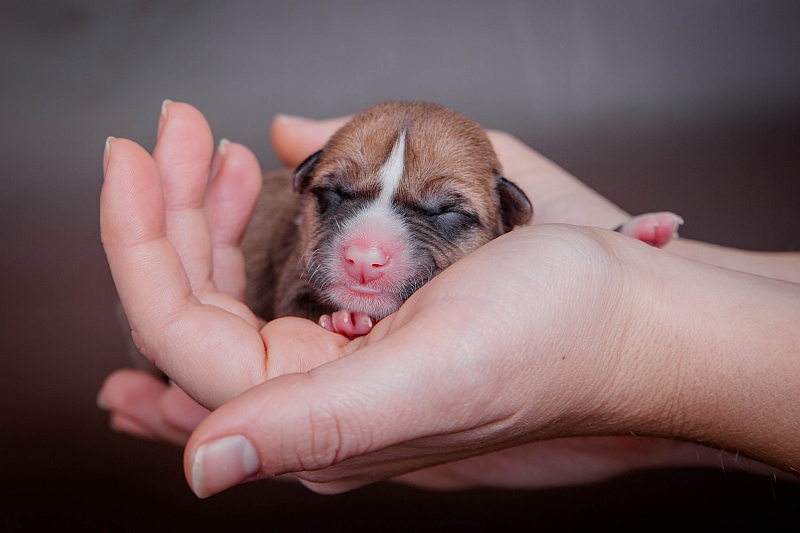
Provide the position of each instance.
(323, 447)
(331, 435)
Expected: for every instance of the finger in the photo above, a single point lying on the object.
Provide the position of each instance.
(296, 345)
(180, 411)
(183, 155)
(124, 424)
(135, 400)
(356, 406)
(230, 200)
(296, 138)
(213, 354)
(558, 197)
(147, 271)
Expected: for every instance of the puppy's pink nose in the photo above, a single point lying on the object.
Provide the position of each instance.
(364, 264)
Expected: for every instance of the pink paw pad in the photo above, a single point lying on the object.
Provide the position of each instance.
(351, 325)
(655, 229)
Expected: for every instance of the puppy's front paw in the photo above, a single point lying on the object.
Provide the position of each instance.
(656, 229)
(351, 325)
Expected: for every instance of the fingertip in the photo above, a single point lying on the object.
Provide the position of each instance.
(218, 158)
(295, 138)
(233, 192)
(222, 147)
(126, 387)
(100, 401)
(291, 120)
(222, 463)
(131, 197)
(182, 119)
(162, 117)
(164, 106)
(239, 160)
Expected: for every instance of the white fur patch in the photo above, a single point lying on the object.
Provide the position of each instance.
(391, 172)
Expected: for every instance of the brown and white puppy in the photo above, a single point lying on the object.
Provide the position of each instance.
(396, 196)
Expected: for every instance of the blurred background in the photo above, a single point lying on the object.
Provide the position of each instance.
(688, 106)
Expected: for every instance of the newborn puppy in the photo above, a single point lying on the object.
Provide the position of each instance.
(397, 195)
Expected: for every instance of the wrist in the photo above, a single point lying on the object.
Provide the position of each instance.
(716, 360)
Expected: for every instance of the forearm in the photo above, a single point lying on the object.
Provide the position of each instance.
(722, 365)
(776, 265)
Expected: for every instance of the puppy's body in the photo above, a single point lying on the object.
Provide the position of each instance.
(396, 196)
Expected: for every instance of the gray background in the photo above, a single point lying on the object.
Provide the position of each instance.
(687, 106)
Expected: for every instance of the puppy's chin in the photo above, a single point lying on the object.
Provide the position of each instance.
(361, 299)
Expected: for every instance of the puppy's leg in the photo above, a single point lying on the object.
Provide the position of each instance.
(351, 325)
(656, 229)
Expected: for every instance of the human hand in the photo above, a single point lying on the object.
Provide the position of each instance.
(576, 338)
(172, 241)
(448, 376)
(140, 403)
(606, 456)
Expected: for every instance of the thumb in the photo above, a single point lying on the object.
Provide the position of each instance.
(390, 392)
(298, 422)
(295, 138)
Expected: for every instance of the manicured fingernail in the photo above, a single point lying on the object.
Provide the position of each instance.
(164, 106)
(290, 119)
(162, 119)
(219, 156)
(223, 463)
(105, 153)
(100, 401)
(222, 147)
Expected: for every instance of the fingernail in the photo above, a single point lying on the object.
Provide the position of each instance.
(105, 153)
(162, 119)
(100, 401)
(223, 463)
(222, 147)
(164, 105)
(219, 156)
(290, 119)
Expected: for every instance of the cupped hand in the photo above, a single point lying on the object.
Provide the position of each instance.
(172, 241)
(438, 378)
(189, 286)
(519, 341)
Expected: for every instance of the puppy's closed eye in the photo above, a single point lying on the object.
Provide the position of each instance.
(451, 221)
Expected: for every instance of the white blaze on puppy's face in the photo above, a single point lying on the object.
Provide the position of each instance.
(373, 249)
(391, 173)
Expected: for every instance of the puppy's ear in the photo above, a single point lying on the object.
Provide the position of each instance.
(302, 175)
(515, 208)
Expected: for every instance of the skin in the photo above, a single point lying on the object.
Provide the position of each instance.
(591, 355)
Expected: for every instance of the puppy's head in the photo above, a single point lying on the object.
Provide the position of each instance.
(397, 195)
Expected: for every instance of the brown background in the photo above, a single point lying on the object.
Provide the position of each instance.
(688, 106)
